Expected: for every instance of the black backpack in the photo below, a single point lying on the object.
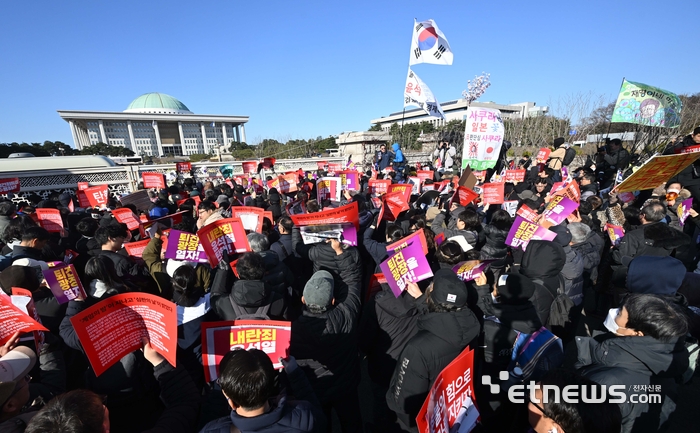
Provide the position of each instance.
(242, 314)
(569, 156)
(560, 312)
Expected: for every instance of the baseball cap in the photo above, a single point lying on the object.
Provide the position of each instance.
(448, 289)
(318, 291)
(16, 364)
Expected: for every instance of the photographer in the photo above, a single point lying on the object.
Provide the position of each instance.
(444, 156)
(610, 158)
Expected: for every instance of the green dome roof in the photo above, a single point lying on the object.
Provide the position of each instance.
(157, 103)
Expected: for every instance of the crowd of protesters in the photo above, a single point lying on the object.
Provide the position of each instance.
(600, 313)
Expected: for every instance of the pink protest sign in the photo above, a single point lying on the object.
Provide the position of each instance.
(185, 246)
(9, 185)
(523, 231)
(406, 266)
(615, 233)
(350, 180)
(683, 210)
(557, 210)
(467, 271)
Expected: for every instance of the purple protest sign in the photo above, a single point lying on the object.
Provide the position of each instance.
(523, 231)
(185, 246)
(407, 265)
(64, 283)
(350, 180)
(557, 210)
(683, 210)
(467, 271)
(615, 233)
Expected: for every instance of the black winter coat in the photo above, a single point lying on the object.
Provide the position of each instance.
(633, 362)
(654, 239)
(441, 337)
(325, 345)
(387, 324)
(346, 267)
(277, 275)
(250, 295)
(543, 260)
(495, 246)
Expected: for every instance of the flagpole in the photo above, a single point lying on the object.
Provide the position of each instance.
(607, 134)
(403, 113)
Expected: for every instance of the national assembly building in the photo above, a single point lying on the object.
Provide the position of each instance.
(155, 124)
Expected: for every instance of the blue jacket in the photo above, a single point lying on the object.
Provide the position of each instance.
(398, 157)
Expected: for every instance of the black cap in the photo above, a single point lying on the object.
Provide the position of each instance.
(448, 289)
(514, 289)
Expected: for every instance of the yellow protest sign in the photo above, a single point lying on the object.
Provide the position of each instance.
(659, 169)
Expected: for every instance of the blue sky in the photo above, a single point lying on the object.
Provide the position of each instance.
(307, 68)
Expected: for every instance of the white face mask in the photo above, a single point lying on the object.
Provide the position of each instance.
(610, 323)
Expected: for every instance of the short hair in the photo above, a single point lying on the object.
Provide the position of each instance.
(87, 226)
(110, 231)
(501, 220)
(470, 219)
(585, 208)
(696, 131)
(77, 411)
(7, 208)
(616, 142)
(394, 232)
(36, 232)
(655, 316)
(595, 201)
(449, 252)
(286, 222)
(654, 211)
(579, 231)
(207, 205)
(589, 177)
(312, 206)
(250, 266)
(247, 377)
(258, 242)
(603, 417)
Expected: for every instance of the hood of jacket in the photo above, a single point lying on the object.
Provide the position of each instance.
(542, 260)
(395, 146)
(664, 236)
(522, 317)
(458, 328)
(643, 354)
(250, 293)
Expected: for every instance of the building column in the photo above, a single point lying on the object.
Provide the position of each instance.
(242, 133)
(160, 145)
(204, 137)
(134, 147)
(182, 139)
(75, 136)
(225, 135)
(83, 137)
(103, 136)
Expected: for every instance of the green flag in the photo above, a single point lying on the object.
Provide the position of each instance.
(647, 105)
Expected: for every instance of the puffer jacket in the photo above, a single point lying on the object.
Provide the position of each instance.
(590, 251)
(325, 345)
(634, 362)
(386, 325)
(495, 242)
(277, 275)
(573, 275)
(441, 337)
(544, 261)
(249, 295)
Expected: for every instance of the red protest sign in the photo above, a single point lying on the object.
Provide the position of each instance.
(394, 204)
(403, 188)
(527, 213)
(375, 285)
(403, 243)
(451, 399)
(268, 214)
(321, 165)
(464, 195)
(113, 328)
(328, 188)
(571, 191)
(493, 193)
(126, 216)
(515, 175)
(50, 219)
(83, 185)
(223, 235)
(94, 196)
(249, 167)
(288, 183)
(344, 214)
(153, 180)
(424, 175)
(183, 167)
(543, 154)
(13, 320)
(9, 185)
(335, 167)
(378, 186)
(135, 249)
(250, 216)
(268, 162)
(28, 303)
(219, 338)
(196, 199)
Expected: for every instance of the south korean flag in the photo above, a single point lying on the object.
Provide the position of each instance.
(416, 93)
(429, 45)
